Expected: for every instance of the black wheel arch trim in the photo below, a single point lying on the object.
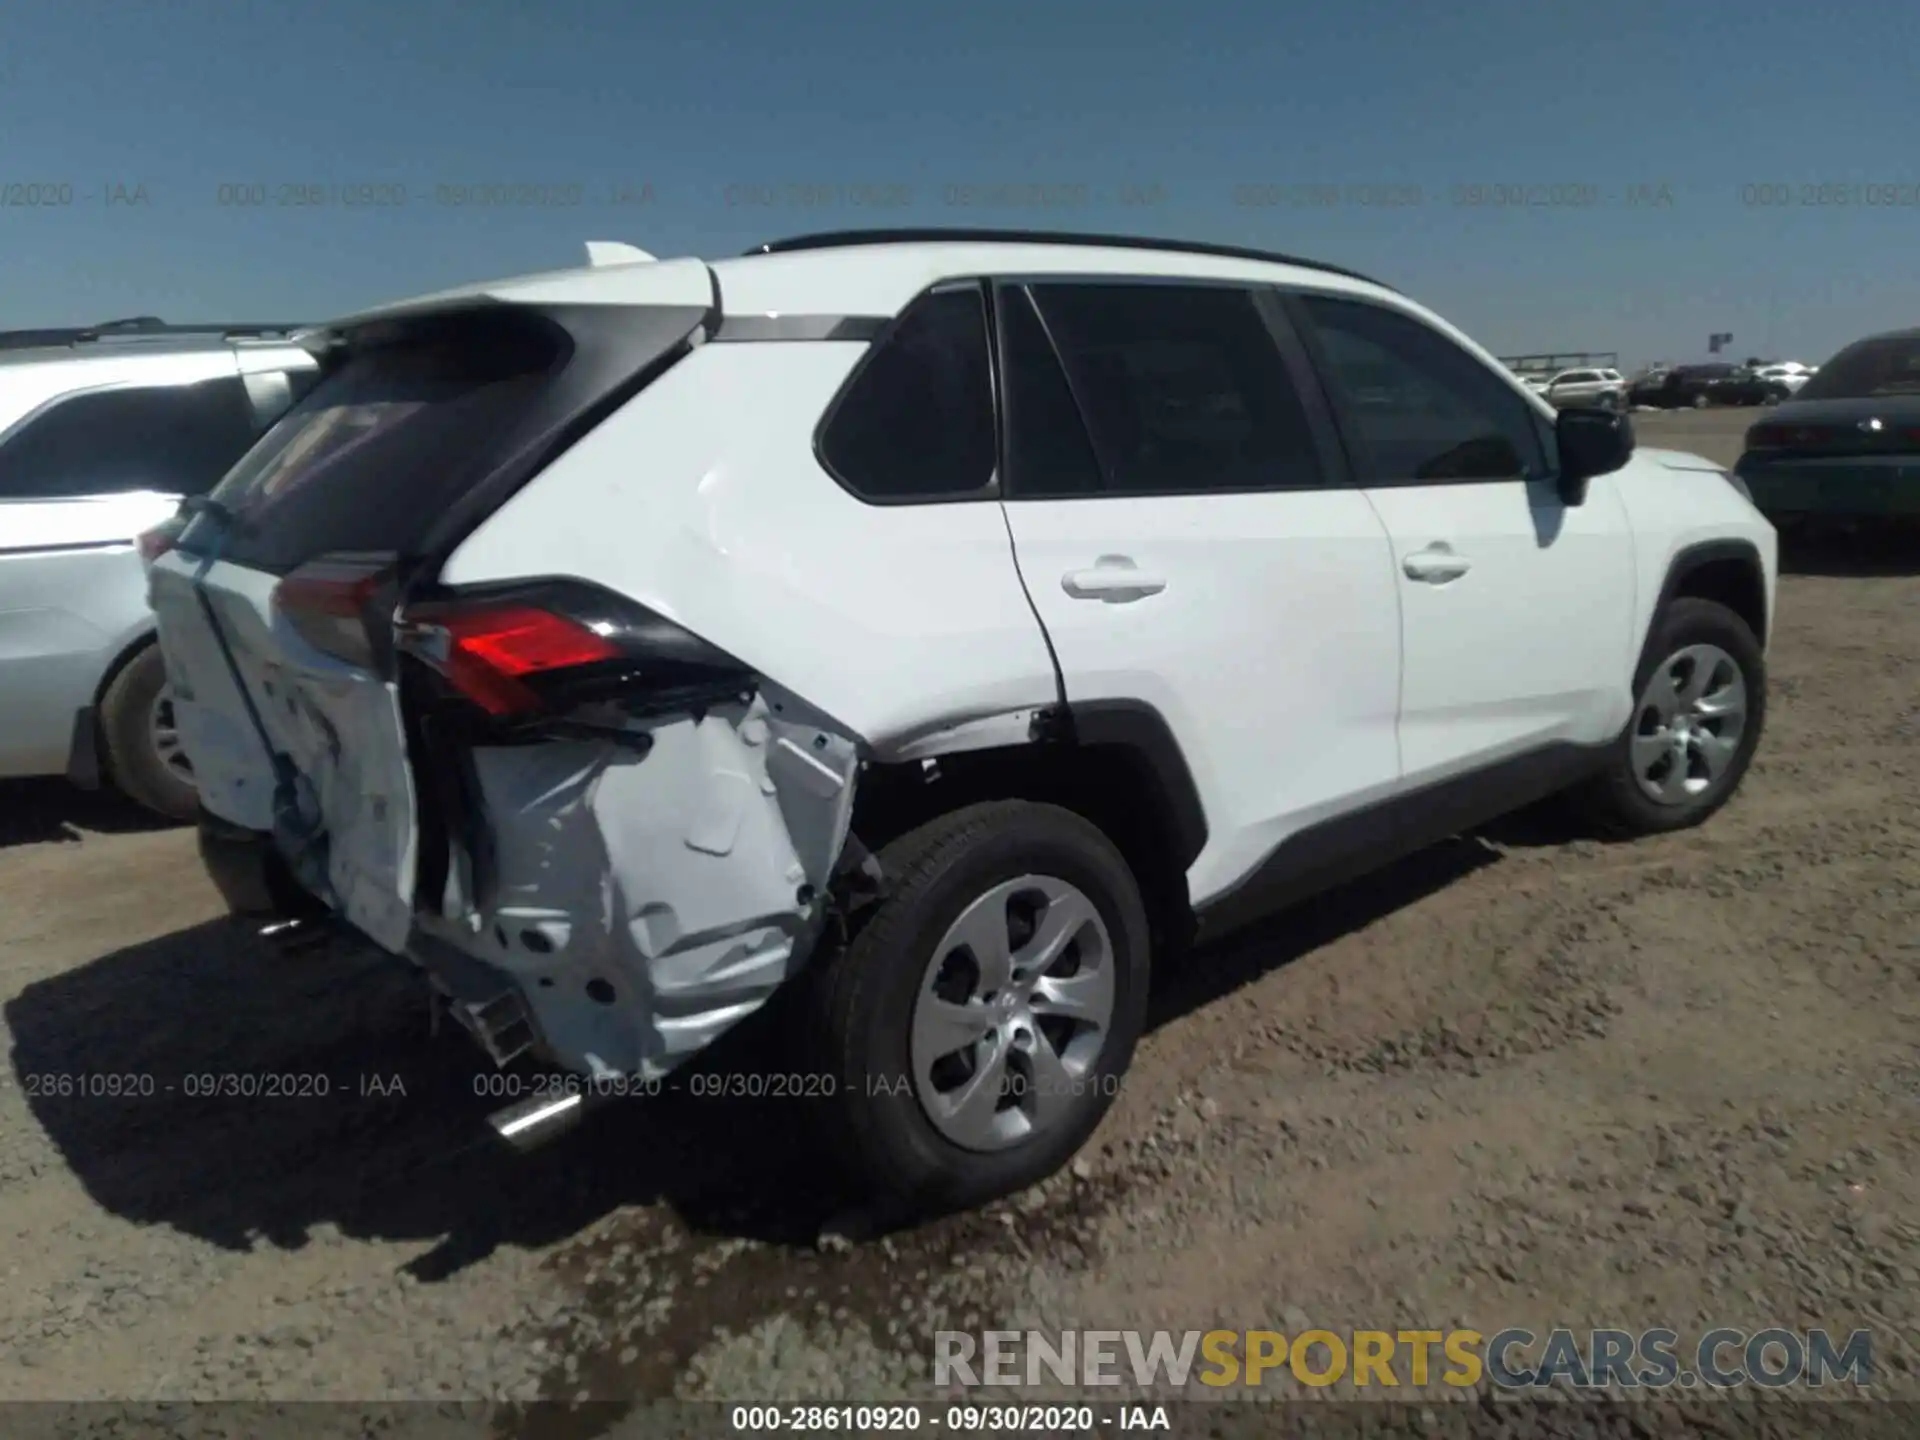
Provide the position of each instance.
(1137, 726)
(1691, 558)
(83, 751)
(1344, 847)
(86, 758)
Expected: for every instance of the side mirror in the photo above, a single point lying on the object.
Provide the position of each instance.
(1591, 442)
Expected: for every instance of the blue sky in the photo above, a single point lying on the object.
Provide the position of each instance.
(1348, 132)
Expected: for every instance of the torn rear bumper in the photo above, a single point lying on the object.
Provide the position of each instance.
(643, 899)
(614, 902)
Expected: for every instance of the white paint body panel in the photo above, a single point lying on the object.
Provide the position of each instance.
(1273, 653)
(1533, 643)
(894, 619)
(339, 725)
(1675, 500)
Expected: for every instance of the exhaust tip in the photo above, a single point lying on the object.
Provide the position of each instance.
(534, 1123)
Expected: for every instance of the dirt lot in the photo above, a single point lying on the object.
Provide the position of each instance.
(1522, 1079)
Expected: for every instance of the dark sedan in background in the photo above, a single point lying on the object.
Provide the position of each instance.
(1747, 387)
(1847, 446)
(1681, 387)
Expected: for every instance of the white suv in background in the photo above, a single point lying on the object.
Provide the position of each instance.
(1604, 388)
(103, 430)
(949, 625)
(1787, 376)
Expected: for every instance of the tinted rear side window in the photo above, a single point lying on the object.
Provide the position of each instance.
(916, 421)
(379, 449)
(176, 439)
(1182, 387)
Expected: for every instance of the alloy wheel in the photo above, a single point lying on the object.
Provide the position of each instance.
(1688, 725)
(164, 734)
(1012, 1013)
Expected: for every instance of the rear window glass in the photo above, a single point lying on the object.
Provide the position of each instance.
(1869, 368)
(377, 451)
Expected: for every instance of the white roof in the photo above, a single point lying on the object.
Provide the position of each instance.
(874, 279)
(880, 278)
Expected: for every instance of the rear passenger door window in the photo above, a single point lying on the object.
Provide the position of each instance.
(1049, 453)
(1417, 408)
(915, 424)
(174, 439)
(1180, 389)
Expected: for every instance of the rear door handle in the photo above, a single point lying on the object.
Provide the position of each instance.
(1437, 564)
(1112, 578)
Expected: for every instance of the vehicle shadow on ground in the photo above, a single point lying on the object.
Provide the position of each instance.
(237, 1094)
(33, 812)
(254, 1095)
(1212, 972)
(1869, 551)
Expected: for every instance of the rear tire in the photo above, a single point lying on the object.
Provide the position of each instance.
(131, 725)
(1700, 704)
(1700, 402)
(892, 1010)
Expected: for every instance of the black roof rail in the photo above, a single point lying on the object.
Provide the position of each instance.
(837, 239)
(140, 327)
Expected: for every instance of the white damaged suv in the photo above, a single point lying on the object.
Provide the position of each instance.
(954, 624)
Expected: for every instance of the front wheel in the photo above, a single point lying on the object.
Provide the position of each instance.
(1700, 701)
(977, 1025)
(1700, 402)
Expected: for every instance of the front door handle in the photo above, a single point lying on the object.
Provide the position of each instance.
(1437, 564)
(1112, 578)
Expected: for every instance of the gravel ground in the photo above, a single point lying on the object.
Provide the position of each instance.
(1521, 1079)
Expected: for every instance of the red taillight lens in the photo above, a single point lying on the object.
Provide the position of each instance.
(520, 640)
(154, 543)
(1788, 437)
(326, 602)
(486, 651)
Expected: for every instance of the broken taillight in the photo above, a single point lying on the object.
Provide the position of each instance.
(327, 602)
(154, 543)
(548, 646)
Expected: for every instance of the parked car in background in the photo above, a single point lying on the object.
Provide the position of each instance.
(1643, 386)
(1788, 376)
(1602, 389)
(103, 430)
(1847, 445)
(1683, 386)
(1746, 387)
(966, 712)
